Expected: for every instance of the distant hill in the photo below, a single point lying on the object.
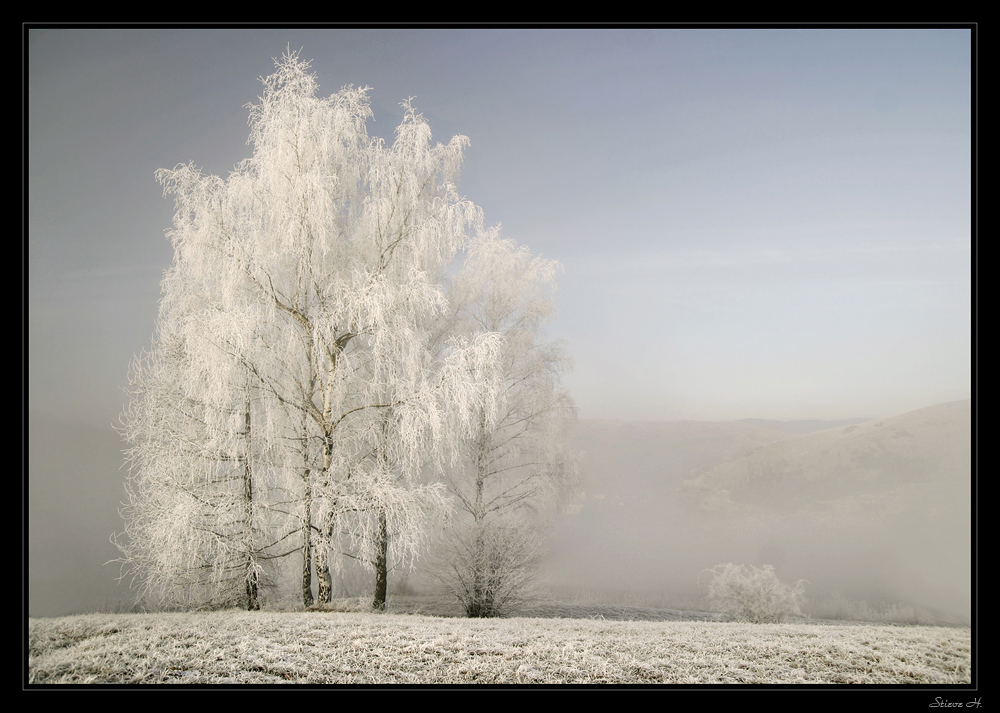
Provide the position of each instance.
(866, 508)
(883, 505)
(929, 446)
(632, 527)
(655, 455)
(801, 427)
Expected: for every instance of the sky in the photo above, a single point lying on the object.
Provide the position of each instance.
(752, 223)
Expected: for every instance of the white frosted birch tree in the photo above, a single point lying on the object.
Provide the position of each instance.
(197, 522)
(386, 502)
(317, 266)
(516, 466)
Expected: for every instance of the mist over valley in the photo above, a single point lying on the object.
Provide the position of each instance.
(876, 509)
(871, 509)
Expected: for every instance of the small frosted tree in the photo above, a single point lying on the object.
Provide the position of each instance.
(490, 566)
(515, 467)
(316, 267)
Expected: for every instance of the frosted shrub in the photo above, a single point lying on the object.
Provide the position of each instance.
(754, 595)
(490, 567)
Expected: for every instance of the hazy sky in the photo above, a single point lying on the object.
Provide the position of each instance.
(753, 223)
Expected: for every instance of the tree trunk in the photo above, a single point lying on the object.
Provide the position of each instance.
(307, 595)
(478, 604)
(324, 595)
(381, 564)
(252, 576)
(253, 602)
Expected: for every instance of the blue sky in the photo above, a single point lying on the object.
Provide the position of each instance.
(753, 223)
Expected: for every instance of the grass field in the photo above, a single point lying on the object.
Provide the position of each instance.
(237, 647)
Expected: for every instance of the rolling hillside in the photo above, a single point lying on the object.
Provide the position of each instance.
(880, 507)
(919, 450)
(874, 510)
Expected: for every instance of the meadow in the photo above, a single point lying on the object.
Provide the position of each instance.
(331, 647)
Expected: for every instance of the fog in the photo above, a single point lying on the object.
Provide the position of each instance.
(877, 510)
(882, 520)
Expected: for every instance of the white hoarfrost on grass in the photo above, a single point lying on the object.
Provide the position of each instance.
(330, 647)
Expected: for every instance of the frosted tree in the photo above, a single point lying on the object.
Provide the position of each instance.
(515, 467)
(317, 262)
(389, 503)
(196, 517)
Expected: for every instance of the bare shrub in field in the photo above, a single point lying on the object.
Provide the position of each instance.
(754, 595)
(491, 567)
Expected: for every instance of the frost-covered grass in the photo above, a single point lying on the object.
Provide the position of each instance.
(364, 648)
